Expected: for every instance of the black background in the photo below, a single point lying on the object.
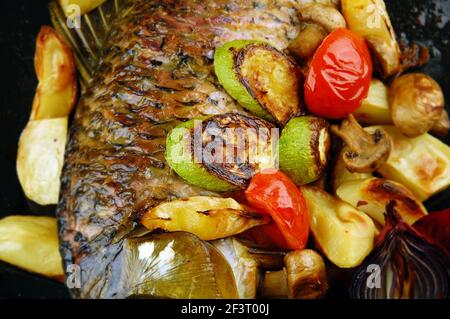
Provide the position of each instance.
(417, 20)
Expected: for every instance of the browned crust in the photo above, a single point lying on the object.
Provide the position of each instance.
(239, 58)
(235, 174)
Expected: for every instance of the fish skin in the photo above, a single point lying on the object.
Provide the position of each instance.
(157, 71)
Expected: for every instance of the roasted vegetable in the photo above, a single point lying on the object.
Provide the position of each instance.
(374, 110)
(243, 264)
(339, 75)
(208, 218)
(369, 19)
(417, 103)
(273, 193)
(435, 228)
(262, 79)
(268, 259)
(223, 152)
(308, 40)
(31, 243)
(40, 159)
(344, 234)
(364, 152)
(442, 126)
(316, 21)
(402, 266)
(303, 146)
(372, 195)
(56, 94)
(341, 174)
(176, 265)
(304, 277)
(422, 164)
(84, 5)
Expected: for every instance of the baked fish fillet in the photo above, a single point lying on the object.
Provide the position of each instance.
(156, 71)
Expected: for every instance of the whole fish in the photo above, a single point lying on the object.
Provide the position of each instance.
(156, 71)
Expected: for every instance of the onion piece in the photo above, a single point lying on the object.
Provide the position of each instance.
(402, 266)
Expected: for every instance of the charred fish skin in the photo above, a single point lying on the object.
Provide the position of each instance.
(157, 71)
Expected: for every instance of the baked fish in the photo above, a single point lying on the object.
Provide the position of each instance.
(155, 71)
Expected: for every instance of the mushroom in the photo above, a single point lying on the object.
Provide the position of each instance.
(442, 126)
(416, 102)
(316, 21)
(303, 277)
(364, 152)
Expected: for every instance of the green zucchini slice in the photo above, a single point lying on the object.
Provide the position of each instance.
(223, 152)
(304, 146)
(262, 79)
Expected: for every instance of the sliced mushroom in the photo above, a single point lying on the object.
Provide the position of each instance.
(316, 21)
(303, 277)
(364, 152)
(416, 102)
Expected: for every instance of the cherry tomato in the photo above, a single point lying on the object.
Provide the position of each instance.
(273, 193)
(339, 75)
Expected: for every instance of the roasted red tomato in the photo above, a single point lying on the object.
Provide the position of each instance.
(339, 75)
(435, 227)
(273, 193)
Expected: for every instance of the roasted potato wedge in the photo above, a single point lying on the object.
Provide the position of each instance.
(341, 174)
(369, 19)
(374, 110)
(40, 159)
(344, 234)
(56, 94)
(31, 243)
(209, 218)
(84, 5)
(422, 163)
(372, 195)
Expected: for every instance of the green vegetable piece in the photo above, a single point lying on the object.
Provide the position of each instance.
(262, 79)
(303, 147)
(223, 152)
(180, 158)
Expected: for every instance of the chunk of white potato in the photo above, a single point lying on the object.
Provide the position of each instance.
(343, 234)
(40, 159)
(84, 5)
(341, 174)
(56, 94)
(31, 243)
(421, 163)
(372, 195)
(374, 109)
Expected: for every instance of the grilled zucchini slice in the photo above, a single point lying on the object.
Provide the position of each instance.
(261, 78)
(304, 146)
(223, 152)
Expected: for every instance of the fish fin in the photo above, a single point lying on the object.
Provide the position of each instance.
(86, 33)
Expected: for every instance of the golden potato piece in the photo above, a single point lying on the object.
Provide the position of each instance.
(341, 174)
(369, 19)
(208, 218)
(422, 163)
(372, 195)
(56, 94)
(31, 243)
(40, 159)
(374, 110)
(85, 5)
(343, 234)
